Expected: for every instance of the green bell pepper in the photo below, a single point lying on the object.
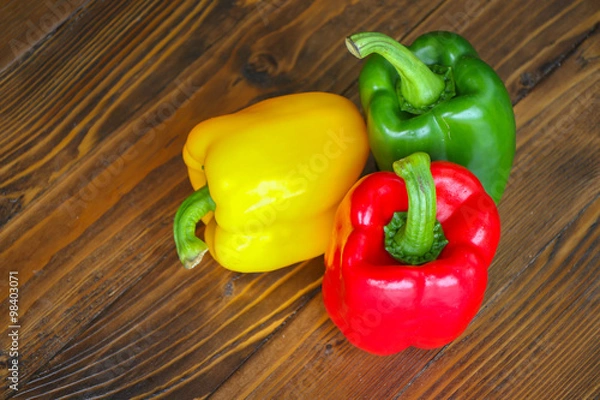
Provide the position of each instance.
(439, 97)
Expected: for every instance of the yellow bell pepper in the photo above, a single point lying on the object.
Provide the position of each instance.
(268, 180)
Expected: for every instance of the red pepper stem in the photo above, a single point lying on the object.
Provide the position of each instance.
(190, 249)
(416, 237)
(419, 86)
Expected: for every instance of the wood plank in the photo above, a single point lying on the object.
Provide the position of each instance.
(108, 200)
(184, 336)
(524, 43)
(25, 24)
(105, 158)
(523, 335)
(543, 328)
(82, 203)
(65, 177)
(310, 358)
(75, 94)
(551, 177)
(555, 166)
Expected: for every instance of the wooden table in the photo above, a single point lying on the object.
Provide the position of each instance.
(96, 101)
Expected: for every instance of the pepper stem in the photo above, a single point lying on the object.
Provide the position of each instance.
(416, 237)
(190, 249)
(420, 87)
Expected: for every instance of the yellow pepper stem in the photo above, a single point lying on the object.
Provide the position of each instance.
(190, 249)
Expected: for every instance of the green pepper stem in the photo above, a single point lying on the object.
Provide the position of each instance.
(190, 249)
(416, 237)
(419, 86)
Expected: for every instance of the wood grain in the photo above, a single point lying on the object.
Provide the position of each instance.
(543, 327)
(528, 294)
(94, 117)
(25, 24)
(114, 165)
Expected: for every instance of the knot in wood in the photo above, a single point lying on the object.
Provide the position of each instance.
(260, 69)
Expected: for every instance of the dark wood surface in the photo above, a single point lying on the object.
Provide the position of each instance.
(96, 101)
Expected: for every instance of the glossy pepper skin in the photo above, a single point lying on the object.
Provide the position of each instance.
(383, 305)
(461, 112)
(268, 180)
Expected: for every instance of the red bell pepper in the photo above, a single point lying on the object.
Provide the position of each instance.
(407, 264)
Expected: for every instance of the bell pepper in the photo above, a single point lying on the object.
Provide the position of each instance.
(268, 180)
(407, 263)
(439, 97)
